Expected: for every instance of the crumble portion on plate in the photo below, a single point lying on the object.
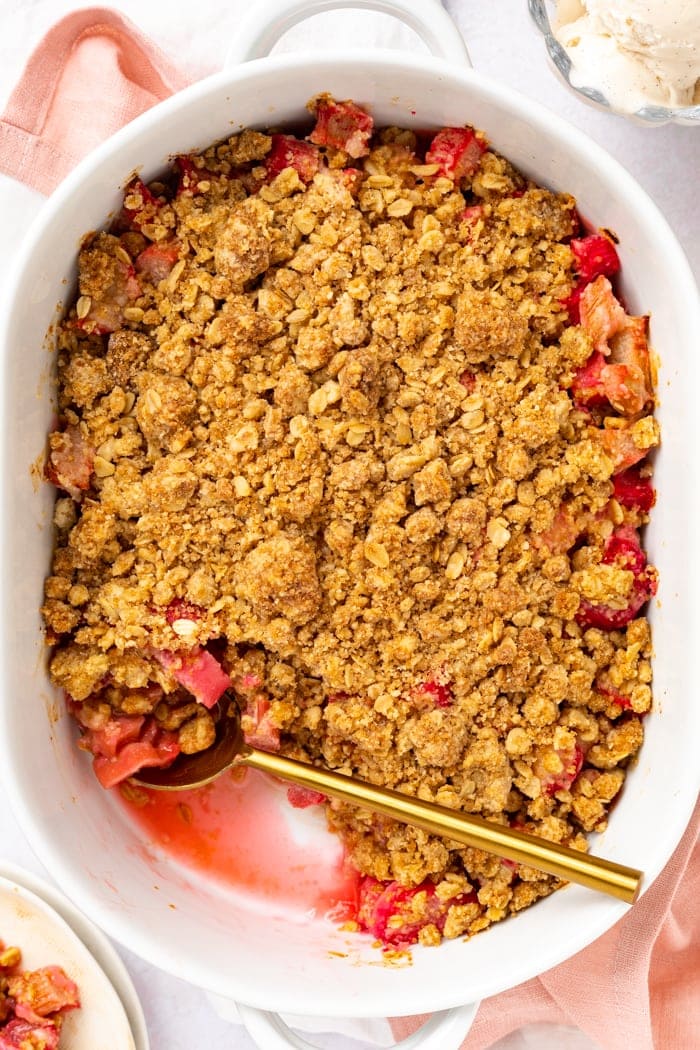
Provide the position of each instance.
(355, 425)
(33, 1003)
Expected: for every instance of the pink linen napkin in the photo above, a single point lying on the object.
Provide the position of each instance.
(639, 984)
(93, 72)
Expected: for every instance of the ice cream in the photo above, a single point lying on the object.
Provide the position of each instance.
(635, 52)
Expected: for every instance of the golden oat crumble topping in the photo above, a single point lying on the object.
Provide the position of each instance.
(329, 421)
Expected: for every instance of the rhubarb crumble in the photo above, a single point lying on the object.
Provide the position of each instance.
(33, 1003)
(353, 427)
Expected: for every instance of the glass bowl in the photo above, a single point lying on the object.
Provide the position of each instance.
(652, 114)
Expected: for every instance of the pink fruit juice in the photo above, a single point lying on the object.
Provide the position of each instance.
(244, 834)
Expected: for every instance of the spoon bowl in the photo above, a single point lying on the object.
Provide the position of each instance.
(194, 771)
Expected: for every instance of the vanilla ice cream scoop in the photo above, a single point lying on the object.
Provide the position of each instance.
(635, 52)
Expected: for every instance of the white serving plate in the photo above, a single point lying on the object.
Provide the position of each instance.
(51, 932)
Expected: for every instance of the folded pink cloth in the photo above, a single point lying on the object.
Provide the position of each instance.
(638, 985)
(93, 72)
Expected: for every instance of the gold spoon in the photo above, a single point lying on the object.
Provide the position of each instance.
(229, 749)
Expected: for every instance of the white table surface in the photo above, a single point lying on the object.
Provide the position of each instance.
(502, 43)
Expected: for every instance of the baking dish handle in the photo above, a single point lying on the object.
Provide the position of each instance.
(445, 1030)
(268, 20)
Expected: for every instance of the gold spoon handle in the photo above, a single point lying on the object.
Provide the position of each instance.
(603, 875)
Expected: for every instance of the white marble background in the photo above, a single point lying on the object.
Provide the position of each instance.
(503, 44)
